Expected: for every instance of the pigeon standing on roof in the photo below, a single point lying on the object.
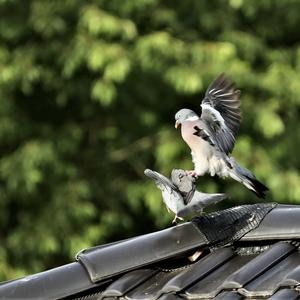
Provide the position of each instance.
(180, 195)
(211, 136)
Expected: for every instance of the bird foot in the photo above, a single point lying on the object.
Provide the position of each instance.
(175, 219)
(192, 173)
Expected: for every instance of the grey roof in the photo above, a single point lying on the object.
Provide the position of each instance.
(250, 251)
(249, 275)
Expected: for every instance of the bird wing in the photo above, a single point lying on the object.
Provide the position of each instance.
(221, 114)
(170, 193)
(199, 202)
(161, 181)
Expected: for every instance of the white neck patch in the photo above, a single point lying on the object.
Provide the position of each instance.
(194, 118)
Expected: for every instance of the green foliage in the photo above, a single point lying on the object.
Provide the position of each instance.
(88, 93)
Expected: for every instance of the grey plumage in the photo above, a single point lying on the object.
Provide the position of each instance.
(211, 136)
(185, 184)
(180, 195)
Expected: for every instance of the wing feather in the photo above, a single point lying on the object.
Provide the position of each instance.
(221, 113)
(160, 180)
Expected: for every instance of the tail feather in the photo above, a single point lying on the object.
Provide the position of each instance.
(248, 179)
(257, 187)
(207, 199)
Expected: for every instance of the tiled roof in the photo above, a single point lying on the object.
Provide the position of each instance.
(247, 252)
(244, 275)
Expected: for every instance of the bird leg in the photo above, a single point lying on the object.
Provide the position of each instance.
(175, 219)
(192, 173)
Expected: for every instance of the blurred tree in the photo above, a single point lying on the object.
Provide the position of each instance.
(88, 92)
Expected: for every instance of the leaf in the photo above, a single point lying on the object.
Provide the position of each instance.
(104, 92)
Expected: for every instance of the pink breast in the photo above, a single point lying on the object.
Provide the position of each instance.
(187, 130)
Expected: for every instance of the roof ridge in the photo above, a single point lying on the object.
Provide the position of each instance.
(213, 230)
(224, 227)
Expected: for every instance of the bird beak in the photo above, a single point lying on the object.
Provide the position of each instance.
(177, 124)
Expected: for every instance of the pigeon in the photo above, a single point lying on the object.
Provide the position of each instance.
(211, 136)
(180, 195)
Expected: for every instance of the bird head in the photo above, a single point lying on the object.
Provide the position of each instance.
(185, 115)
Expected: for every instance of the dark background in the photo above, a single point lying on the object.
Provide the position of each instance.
(88, 93)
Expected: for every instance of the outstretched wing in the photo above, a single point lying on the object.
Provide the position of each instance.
(161, 181)
(221, 113)
(170, 193)
(199, 202)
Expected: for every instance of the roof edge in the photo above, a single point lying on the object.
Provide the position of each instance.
(281, 223)
(140, 251)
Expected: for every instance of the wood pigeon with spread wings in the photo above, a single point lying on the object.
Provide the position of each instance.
(180, 195)
(211, 136)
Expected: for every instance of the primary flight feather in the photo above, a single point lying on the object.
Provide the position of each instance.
(211, 136)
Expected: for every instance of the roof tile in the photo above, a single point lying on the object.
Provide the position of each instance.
(127, 282)
(266, 284)
(134, 253)
(258, 265)
(199, 270)
(292, 278)
(285, 294)
(152, 288)
(229, 296)
(170, 297)
(211, 285)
